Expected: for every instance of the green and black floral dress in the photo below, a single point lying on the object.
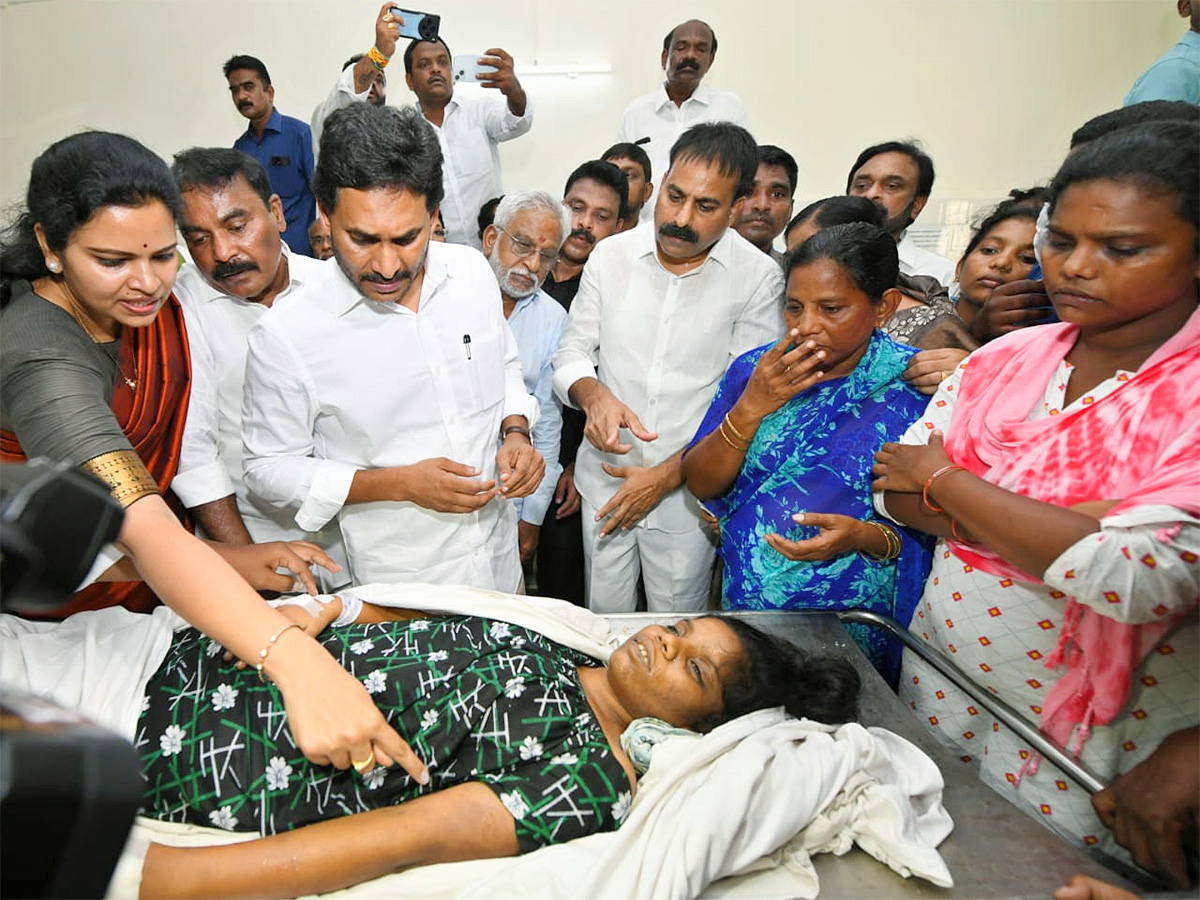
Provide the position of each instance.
(478, 700)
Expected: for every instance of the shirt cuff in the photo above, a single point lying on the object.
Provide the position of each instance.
(569, 373)
(326, 495)
(203, 485)
(520, 403)
(536, 504)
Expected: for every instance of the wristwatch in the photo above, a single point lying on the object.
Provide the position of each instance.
(515, 429)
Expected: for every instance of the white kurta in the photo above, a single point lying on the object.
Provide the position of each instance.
(655, 116)
(210, 463)
(472, 128)
(336, 383)
(660, 342)
(916, 260)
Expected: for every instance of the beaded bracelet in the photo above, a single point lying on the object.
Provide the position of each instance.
(378, 60)
(930, 505)
(262, 654)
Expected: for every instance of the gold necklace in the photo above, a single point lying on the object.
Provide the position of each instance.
(81, 321)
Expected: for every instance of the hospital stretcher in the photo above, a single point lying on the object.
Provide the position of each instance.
(995, 849)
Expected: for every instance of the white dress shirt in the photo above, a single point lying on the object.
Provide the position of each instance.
(210, 462)
(916, 260)
(336, 383)
(537, 322)
(661, 342)
(343, 94)
(655, 116)
(471, 128)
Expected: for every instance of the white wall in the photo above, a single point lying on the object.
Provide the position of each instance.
(993, 87)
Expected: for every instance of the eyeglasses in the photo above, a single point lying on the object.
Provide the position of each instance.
(523, 249)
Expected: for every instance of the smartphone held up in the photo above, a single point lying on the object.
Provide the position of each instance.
(419, 26)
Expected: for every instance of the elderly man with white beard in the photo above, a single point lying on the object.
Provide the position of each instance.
(522, 244)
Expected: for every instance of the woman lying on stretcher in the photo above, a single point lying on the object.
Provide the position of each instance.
(520, 738)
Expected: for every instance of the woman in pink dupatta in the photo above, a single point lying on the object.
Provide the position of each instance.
(1060, 466)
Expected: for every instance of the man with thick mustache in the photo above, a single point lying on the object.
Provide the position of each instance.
(392, 397)
(661, 312)
(232, 223)
(767, 209)
(282, 145)
(655, 120)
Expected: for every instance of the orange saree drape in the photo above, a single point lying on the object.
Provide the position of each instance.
(152, 416)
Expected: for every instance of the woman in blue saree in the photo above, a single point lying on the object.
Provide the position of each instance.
(783, 457)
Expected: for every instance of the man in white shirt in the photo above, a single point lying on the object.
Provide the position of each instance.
(655, 121)
(241, 267)
(363, 78)
(469, 128)
(661, 313)
(522, 244)
(898, 176)
(392, 397)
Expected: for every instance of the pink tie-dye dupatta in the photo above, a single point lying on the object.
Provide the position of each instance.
(1139, 444)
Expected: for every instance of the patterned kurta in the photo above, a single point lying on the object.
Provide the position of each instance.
(478, 700)
(1000, 631)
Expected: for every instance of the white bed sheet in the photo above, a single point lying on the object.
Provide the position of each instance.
(734, 813)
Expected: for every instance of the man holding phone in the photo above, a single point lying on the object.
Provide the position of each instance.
(469, 128)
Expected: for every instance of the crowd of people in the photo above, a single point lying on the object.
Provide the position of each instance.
(661, 388)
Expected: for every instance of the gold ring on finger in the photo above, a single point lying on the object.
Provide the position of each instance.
(943, 376)
(361, 765)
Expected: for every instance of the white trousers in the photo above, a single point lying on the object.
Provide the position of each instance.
(676, 568)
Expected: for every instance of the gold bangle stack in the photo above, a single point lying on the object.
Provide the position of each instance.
(890, 537)
(733, 437)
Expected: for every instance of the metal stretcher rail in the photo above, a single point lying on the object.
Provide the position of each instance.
(1071, 767)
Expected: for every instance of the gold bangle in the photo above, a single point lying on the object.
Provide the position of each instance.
(124, 473)
(891, 540)
(727, 439)
(378, 60)
(741, 437)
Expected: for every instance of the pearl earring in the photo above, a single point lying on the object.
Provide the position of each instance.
(53, 265)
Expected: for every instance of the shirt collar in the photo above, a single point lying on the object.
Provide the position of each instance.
(275, 123)
(437, 272)
(719, 252)
(210, 292)
(702, 95)
(526, 302)
(452, 104)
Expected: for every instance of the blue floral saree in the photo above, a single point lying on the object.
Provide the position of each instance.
(815, 454)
